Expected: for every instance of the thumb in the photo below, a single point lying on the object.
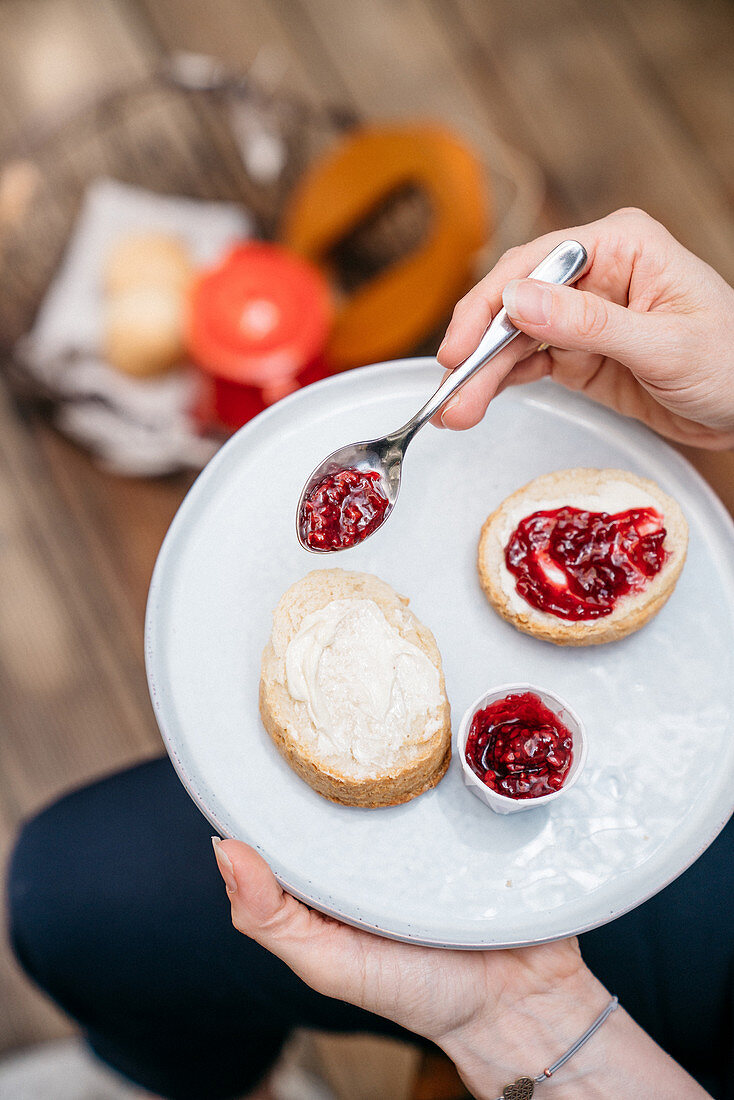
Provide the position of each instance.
(579, 321)
(323, 952)
(260, 907)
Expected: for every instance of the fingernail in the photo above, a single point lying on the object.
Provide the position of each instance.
(225, 865)
(441, 346)
(453, 404)
(529, 301)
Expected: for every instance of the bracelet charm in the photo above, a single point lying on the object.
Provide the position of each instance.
(522, 1089)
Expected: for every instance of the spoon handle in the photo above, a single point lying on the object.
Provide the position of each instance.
(563, 265)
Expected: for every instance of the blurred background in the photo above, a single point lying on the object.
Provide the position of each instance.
(145, 145)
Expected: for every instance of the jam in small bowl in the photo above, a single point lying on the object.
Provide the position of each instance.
(520, 747)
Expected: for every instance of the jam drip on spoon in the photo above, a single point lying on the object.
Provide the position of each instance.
(342, 509)
(519, 748)
(576, 564)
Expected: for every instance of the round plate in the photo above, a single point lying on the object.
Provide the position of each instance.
(443, 869)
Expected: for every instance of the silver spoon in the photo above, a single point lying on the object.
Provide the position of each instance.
(385, 456)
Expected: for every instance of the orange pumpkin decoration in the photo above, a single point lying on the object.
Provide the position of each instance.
(387, 316)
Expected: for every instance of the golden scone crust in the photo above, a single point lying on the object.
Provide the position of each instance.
(143, 330)
(146, 279)
(147, 259)
(423, 763)
(632, 611)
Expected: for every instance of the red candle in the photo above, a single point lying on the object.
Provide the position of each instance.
(257, 326)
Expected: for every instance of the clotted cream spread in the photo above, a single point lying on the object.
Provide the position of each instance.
(367, 689)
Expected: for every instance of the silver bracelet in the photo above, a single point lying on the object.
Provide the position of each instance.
(524, 1087)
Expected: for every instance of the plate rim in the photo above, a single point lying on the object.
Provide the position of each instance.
(416, 364)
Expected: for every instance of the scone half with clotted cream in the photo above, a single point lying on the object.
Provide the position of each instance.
(352, 690)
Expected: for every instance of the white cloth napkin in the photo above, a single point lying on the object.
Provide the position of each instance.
(135, 426)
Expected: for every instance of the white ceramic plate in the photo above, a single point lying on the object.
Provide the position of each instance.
(443, 869)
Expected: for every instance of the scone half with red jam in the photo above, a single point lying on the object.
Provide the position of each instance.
(582, 556)
(352, 690)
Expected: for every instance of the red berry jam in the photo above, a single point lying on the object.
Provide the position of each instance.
(519, 748)
(343, 509)
(576, 564)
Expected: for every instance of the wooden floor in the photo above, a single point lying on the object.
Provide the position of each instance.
(620, 102)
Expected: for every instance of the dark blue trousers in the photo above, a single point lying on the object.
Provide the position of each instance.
(117, 910)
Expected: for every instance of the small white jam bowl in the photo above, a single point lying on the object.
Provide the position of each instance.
(500, 803)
